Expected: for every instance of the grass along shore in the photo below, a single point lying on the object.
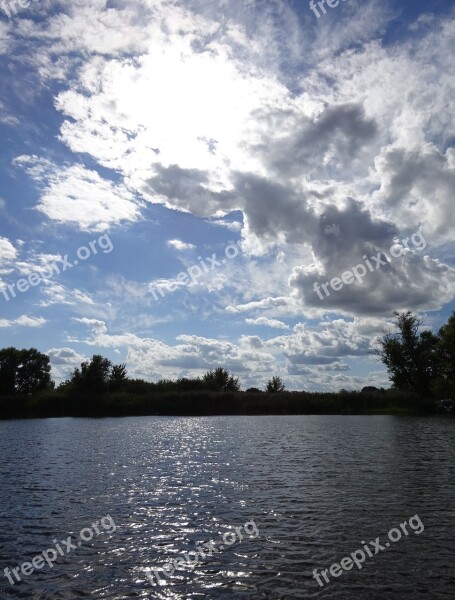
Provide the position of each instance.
(209, 403)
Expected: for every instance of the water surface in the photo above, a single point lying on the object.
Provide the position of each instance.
(315, 486)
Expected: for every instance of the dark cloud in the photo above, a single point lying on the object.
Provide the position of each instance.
(299, 146)
(272, 209)
(184, 189)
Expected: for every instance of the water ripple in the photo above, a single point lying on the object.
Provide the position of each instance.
(315, 486)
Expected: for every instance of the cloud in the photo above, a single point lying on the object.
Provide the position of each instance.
(417, 187)
(325, 345)
(184, 189)
(75, 195)
(283, 302)
(282, 148)
(8, 252)
(99, 327)
(296, 145)
(231, 225)
(55, 293)
(4, 37)
(264, 321)
(6, 116)
(64, 361)
(191, 355)
(179, 245)
(413, 280)
(23, 321)
(309, 357)
(64, 356)
(318, 140)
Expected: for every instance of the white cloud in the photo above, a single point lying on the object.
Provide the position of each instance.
(235, 226)
(307, 358)
(281, 302)
(23, 321)
(75, 195)
(417, 188)
(64, 361)
(328, 343)
(98, 327)
(264, 321)
(326, 138)
(179, 245)
(7, 251)
(55, 293)
(4, 37)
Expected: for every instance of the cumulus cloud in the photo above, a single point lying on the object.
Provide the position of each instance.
(242, 153)
(325, 345)
(318, 139)
(7, 251)
(417, 188)
(309, 352)
(99, 327)
(411, 278)
(298, 146)
(191, 354)
(64, 361)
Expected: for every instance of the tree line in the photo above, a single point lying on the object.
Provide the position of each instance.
(27, 372)
(420, 364)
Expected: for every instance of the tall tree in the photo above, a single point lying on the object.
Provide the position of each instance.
(275, 385)
(446, 354)
(411, 357)
(118, 377)
(24, 372)
(9, 362)
(92, 376)
(220, 380)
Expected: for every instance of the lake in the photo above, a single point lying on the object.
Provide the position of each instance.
(110, 500)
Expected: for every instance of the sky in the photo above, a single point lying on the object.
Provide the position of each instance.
(178, 181)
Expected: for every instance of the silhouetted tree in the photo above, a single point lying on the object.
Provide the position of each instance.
(92, 376)
(9, 362)
(220, 380)
(118, 377)
(23, 372)
(446, 356)
(275, 385)
(411, 358)
(186, 384)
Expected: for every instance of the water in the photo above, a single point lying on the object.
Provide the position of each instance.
(315, 487)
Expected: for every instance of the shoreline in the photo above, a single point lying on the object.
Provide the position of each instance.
(206, 403)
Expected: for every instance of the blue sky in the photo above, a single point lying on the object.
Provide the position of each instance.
(250, 149)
